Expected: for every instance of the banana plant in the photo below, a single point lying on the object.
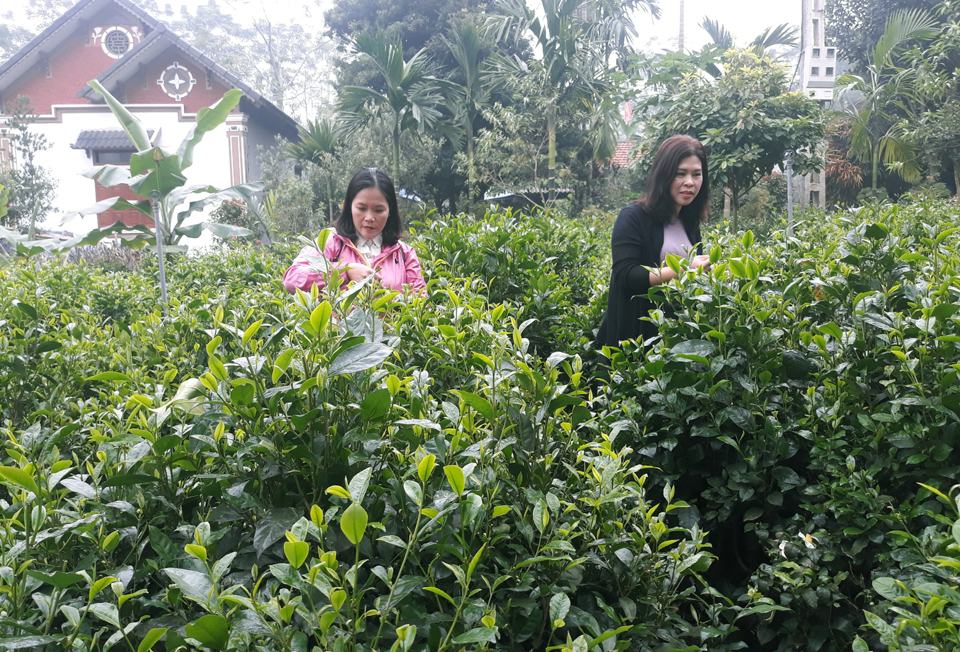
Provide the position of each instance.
(156, 169)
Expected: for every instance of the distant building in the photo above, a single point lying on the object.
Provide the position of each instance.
(817, 75)
(160, 78)
(621, 157)
(818, 61)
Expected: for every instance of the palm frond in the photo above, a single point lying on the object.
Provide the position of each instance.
(784, 34)
(899, 153)
(902, 26)
(717, 32)
(317, 139)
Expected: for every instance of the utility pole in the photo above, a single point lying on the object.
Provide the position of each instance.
(680, 42)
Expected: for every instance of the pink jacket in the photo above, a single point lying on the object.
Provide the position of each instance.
(397, 265)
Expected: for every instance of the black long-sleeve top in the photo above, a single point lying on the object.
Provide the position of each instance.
(635, 245)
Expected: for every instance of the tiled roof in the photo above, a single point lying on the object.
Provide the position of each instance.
(621, 157)
(129, 64)
(106, 139)
(82, 10)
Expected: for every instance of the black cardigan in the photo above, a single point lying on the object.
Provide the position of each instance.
(636, 244)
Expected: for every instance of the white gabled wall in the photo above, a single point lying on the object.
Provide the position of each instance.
(76, 192)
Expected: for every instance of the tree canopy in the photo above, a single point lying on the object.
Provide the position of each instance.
(856, 25)
(745, 119)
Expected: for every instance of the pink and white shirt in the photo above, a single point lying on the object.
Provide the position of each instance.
(397, 265)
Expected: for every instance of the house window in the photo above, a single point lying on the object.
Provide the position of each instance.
(815, 71)
(829, 71)
(816, 31)
(112, 156)
(816, 52)
(831, 53)
(815, 197)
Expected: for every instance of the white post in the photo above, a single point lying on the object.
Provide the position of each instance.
(788, 157)
(155, 201)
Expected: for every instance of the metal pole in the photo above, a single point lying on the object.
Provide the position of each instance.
(788, 156)
(155, 201)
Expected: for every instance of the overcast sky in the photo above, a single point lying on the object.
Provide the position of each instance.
(744, 18)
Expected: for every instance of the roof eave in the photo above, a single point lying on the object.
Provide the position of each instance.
(62, 21)
(255, 99)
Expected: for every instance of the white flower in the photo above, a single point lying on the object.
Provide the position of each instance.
(808, 540)
(783, 549)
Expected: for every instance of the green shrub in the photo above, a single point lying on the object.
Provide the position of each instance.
(364, 470)
(922, 598)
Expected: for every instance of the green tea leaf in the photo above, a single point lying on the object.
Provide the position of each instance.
(108, 613)
(375, 405)
(414, 491)
(456, 478)
(58, 579)
(195, 585)
(479, 404)
(19, 477)
(476, 635)
(197, 551)
(443, 594)
(272, 527)
(151, 639)
(110, 376)
(320, 316)
(359, 484)
(559, 606)
(213, 631)
(296, 552)
(359, 358)
(354, 523)
(425, 468)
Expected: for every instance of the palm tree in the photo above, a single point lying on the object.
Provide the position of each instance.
(410, 98)
(572, 67)
(318, 142)
(873, 99)
(473, 95)
(784, 34)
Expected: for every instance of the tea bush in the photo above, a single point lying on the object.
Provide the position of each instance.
(806, 389)
(362, 471)
(347, 471)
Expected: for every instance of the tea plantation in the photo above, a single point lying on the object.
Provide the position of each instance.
(358, 471)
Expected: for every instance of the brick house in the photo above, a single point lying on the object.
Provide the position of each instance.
(161, 79)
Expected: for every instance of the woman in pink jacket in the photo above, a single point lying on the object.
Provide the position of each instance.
(367, 241)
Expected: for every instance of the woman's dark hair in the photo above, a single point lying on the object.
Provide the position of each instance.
(658, 200)
(371, 178)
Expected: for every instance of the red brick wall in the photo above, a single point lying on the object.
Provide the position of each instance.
(198, 98)
(76, 62)
(71, 67)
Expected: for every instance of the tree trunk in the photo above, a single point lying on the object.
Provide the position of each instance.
(33, 221)
(552, 152)
(396, 153)
(876, 163)
(471, 174)
(956, 175)
(330, 196)
(735, 208)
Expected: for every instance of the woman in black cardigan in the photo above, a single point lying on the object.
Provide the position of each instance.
(678, 192)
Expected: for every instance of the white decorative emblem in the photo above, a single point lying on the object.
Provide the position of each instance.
(176, 81)
(116, 41)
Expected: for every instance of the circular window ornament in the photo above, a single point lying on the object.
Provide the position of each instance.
(176, 81)
(116, 42)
